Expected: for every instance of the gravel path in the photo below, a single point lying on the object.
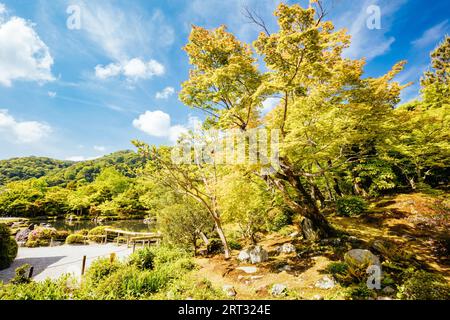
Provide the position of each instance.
(52, 262)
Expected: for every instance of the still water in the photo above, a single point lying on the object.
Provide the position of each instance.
(126, 225)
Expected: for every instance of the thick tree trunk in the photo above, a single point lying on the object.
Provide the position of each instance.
(315, 226)
(222, 237)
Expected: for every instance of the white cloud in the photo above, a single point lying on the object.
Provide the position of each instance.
(367, 43)
(23, 131)
(166, 93)
(432, 35)
(51, 94)
(133, 70)
(100, 148)
(2, 8)
(154, 123)
(158, 124)
(23, 55)
(80, 158)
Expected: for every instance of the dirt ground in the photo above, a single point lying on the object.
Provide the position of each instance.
(415, 224)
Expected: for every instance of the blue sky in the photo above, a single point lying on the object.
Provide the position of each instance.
(81, 93)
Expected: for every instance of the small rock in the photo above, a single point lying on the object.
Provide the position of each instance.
(285, 268)
(287, 248)
(361, 258)
(278, 289)
(248, 269)
(229, 290)
(294, 234)
(318, 297)
(325, 283)
(384, 298)
(261, 289)
(256, 277)
(388, 290)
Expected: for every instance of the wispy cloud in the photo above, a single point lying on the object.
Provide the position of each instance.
(432, 35)
(367, 43)
(165, 93)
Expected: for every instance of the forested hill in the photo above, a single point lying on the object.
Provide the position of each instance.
(61, 173)
(30, 167)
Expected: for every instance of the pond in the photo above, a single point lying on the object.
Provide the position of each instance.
(126, 225)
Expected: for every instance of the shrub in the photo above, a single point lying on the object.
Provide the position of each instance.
(337, 268)
(360, 292)
(422, 285)
(42, 234)
(8, 247)
(83, 232)
(101, 269)
(278, 219)
(97, 234)
(214, 246)
(142, 259)
(61, 289)
(234, 245)
(75, 239)
(350, 206)
(62, 235)
(22, 275)
(131, 283)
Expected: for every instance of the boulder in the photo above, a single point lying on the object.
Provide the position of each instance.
(255, 254)
(287, 248)
(244, 255)
(22, 235)
(229, 290)
(278, 289)
(361, 258)
(258, 255)
(325, 283)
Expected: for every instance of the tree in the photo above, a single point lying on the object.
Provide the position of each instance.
(328, 115)
(198, 181)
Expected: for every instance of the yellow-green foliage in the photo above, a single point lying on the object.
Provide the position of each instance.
(75, 239)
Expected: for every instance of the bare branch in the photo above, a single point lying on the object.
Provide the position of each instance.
(253, 17)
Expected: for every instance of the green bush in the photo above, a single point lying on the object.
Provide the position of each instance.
(337, 268)
(75, 239)
(422, 285)
(142, 259)
(8, 247)
(41, 236)
(350, 206)
(97, 234)
(83, 232)
(101, 269)
(61, 289)
(234, 245)
(62, 235)
(22, 275)
(214, 246)
(131, 283)
(279, 219)
(360, 292)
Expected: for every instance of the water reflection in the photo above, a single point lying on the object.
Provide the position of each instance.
(127, 225)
